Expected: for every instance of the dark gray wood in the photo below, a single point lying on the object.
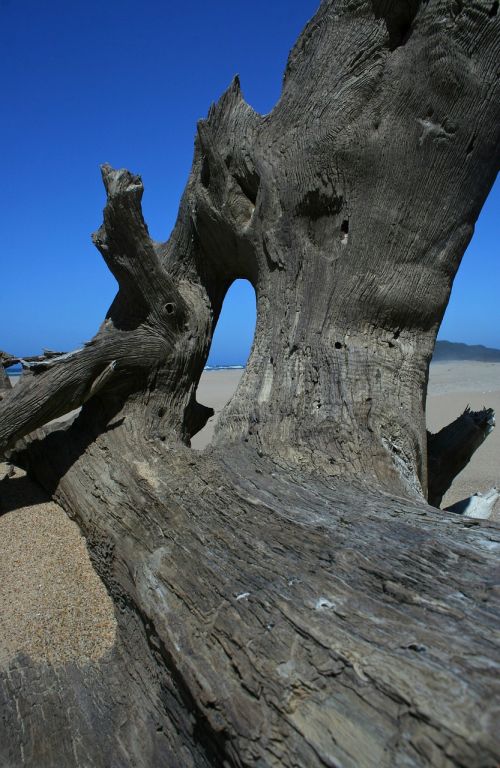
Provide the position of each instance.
(451, 449)
(6, 359)
(288, 597)
(5, 384)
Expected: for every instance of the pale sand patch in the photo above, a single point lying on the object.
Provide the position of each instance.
(215, 390)
(53, 606)
(463, 377)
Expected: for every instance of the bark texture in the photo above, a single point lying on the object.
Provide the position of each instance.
(288, 597)
(5, 384)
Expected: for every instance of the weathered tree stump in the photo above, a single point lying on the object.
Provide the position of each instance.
(286, 597)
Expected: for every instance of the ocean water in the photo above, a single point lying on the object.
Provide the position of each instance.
(224, 367)
(16, 370)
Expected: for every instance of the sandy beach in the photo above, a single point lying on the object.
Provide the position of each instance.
(215, 389)
(52, 604)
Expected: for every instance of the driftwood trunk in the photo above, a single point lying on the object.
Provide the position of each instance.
(288, 597)
(5, 384)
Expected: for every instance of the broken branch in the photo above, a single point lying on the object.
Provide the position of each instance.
(451, 449)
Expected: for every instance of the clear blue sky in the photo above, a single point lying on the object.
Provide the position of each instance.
(83, 83)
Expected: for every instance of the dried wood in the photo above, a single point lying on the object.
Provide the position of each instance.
(451, 449)
(288, 597)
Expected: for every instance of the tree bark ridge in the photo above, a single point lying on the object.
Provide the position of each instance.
(288, 598)
(310, 622)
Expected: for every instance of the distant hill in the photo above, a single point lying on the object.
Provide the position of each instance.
(449, 350)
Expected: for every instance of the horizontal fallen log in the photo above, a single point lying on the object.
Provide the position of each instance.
(7, 360)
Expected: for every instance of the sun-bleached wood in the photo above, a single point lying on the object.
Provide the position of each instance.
(286, 597)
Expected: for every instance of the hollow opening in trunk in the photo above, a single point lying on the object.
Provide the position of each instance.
(231, 345)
